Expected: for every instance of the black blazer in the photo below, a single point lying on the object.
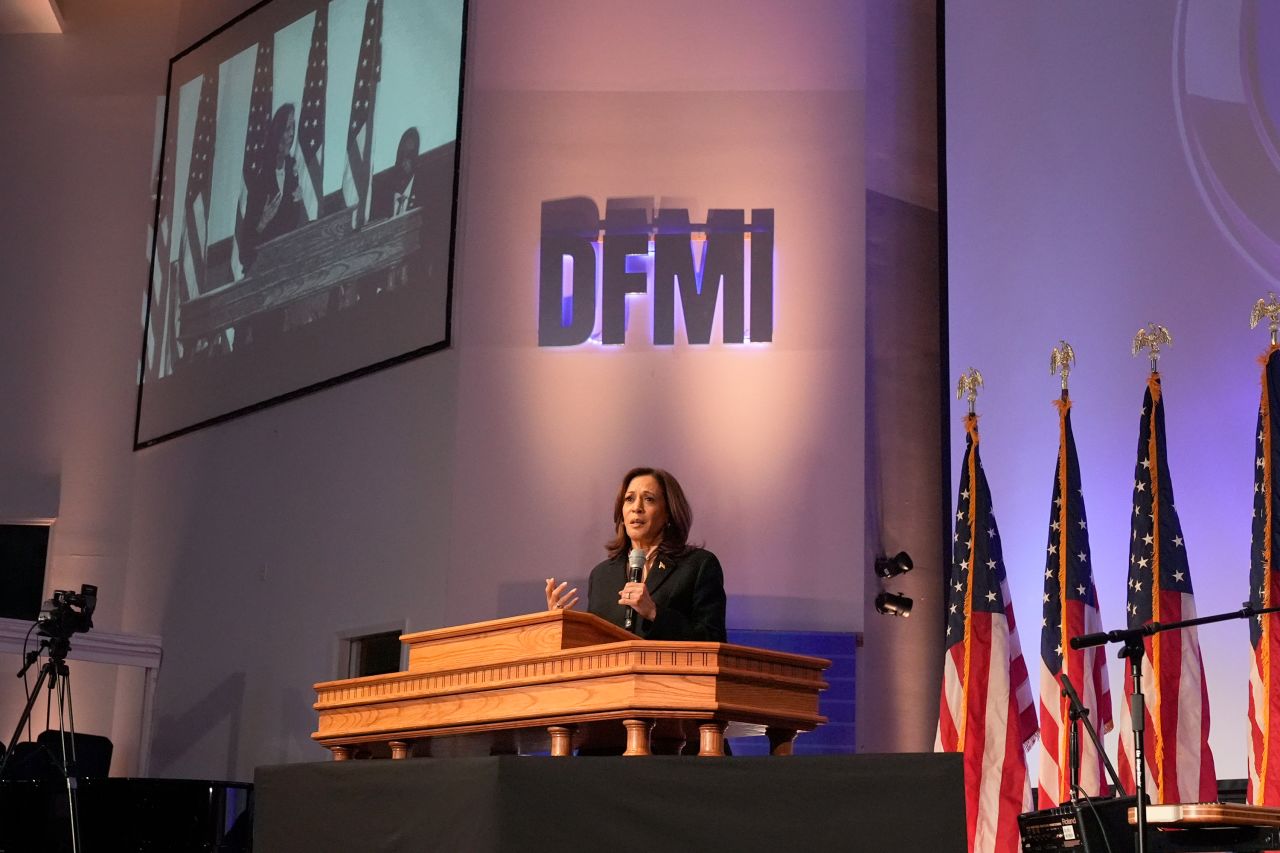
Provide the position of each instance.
(289, 215)
(688, 592)
(386, 184)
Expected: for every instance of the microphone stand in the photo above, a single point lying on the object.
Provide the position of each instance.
(1132, 639)
(1080, 713)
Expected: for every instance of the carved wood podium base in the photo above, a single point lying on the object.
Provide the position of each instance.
(563, 680)
(632, 736)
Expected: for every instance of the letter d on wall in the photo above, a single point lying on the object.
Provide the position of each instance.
(569, 229)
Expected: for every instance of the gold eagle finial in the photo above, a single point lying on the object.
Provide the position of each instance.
(1152, 338)
(967, 387)
(1269, 308)
(1060, 360)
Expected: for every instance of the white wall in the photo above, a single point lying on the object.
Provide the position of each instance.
(76, 161)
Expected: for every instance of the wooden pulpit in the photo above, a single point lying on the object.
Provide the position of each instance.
(312, 260)
(560, 680)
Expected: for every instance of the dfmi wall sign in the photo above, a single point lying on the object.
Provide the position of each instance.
(589, 267)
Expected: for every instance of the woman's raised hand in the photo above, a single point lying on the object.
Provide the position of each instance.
(558, 598)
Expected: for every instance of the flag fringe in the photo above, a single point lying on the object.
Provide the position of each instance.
(1266, 623)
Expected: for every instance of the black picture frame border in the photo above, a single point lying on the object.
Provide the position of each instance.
(330, 382)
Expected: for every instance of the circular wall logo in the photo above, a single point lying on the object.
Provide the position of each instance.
(1227, 98)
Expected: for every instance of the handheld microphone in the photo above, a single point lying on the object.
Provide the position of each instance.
(635, 568)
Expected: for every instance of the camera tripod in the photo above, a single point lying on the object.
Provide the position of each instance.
(58, 676)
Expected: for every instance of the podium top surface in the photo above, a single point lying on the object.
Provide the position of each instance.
(563, 620)
(504, 640)
(537, 636)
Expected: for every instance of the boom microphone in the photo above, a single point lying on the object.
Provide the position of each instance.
(1120, 635)
(635, 567)
(1085, 641)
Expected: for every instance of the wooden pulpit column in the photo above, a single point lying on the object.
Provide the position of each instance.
(561, 740)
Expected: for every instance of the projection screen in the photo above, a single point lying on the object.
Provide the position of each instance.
(305, 205)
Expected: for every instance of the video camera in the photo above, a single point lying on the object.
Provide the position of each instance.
(68, 612)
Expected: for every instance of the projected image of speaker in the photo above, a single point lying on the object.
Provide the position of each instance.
(305, 205)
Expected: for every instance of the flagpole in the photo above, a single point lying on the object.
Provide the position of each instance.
(1150, 338)
(1070, 608)
(1262, 590)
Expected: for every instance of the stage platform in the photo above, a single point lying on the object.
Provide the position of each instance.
(517, 803)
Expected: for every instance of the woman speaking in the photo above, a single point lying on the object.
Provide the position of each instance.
(678, 593)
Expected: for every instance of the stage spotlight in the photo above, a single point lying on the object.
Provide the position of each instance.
(894, 604)
(891, 567)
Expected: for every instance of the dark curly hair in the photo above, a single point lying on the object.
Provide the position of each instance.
(675, 536)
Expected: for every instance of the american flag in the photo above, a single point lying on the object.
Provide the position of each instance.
(986, 709)
(1264, 631)
(311, 121)
(160, 332)
(358, 175)
(1176, 744)
(195, 229)
(1070, 609)
(154, 314)
(255, 143)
